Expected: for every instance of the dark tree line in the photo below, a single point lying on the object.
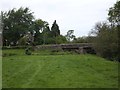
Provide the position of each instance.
(20, 24)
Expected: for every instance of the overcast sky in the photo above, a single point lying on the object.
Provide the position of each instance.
(78, 15)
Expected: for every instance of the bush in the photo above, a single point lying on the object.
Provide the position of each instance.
(106, 41)
(27, 51)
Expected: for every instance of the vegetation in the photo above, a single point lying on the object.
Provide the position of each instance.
(20, 26)
(28, 68)
(16, 24)
(107, 38)
(106, 41)
(42, 70)
(70, 35)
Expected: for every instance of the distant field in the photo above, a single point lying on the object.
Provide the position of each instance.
(44, 69)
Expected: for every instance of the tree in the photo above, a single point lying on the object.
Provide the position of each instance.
(114, 18)
(70, 35)
(55, 29)
(105, 42)
(61, 39)
(40, 27)
(46, 35)
(16, 24)
(55, 32)
(114, 14)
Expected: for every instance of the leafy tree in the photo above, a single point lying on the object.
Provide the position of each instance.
(70, 35)
(39, 29)
(106, 39)
(16, 24)
(114, 14)
(39, 24)
(61, 39)
(114, 18)
(22, 41)
(46, 35)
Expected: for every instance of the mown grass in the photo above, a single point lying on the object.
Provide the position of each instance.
(44, 70)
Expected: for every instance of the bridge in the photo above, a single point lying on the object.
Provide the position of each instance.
(77, 47)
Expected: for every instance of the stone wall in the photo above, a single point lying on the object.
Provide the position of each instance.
(78, 47)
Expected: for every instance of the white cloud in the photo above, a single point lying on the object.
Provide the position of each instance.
(79, 15)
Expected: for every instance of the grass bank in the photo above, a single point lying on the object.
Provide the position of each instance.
(66, 70)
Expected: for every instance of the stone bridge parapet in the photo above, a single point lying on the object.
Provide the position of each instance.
(78, 47)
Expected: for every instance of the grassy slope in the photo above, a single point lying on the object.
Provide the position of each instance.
(36, 71)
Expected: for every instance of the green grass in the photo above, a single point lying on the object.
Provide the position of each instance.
(57, 71)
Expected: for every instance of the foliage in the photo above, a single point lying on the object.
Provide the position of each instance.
(40, 27)
(22, 41)
(16, 24)
(27, 51)
(55, 29)
(114, 14)
(20, 28)
(46, 35)
(61, 39)
(55, 32)
(70, 35)
(106, 41)
(114, 18)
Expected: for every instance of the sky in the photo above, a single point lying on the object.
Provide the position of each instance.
(77, 15)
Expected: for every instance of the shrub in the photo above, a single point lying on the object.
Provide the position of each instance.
(27, 51)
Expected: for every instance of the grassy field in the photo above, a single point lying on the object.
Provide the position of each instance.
(63, 70)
